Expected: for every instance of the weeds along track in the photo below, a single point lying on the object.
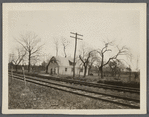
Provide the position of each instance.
(97, 85)
(116, 99)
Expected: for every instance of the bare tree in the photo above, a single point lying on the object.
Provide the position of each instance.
(83, 51)
(65, 43)
(31, 44)
(116, 67)
(88, 56)
(92, 60)
(35, 60)
(120, 51)
(85, 62)
(56, 43)
(16, 59)
(98, 64)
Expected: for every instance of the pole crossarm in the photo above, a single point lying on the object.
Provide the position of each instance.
(72, 37)
(79, 38)
(80, 35)
(72, 33)
(75, 37)
(77, 34)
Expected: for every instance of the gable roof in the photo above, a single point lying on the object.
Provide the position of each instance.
(62, 61)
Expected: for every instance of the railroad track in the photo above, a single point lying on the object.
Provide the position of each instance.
(96, 85)
(124, 101)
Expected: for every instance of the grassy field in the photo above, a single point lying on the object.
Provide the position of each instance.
(39, 97)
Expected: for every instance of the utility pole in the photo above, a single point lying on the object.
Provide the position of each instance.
(76, 38)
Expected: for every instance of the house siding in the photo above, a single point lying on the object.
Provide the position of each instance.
(69, 70)
(53, 68)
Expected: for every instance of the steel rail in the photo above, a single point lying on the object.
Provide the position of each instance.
(41, 82)
(47, 81)
(105, 86)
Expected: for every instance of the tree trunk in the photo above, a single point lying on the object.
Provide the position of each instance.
(65, 52)
(89, 70)
(98, 71)
(119, 74)
(85, 69)
(114, 72)
(101, 70)
(57, 51)
(29, 61)
(129, 76)
(101, 67)
(46, 69)
(16, 68)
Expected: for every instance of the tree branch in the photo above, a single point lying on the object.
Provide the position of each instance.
(81, 59)
(38, 49)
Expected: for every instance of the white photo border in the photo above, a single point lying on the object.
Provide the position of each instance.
(45, 6)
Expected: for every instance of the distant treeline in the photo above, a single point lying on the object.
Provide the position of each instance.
(33, 68)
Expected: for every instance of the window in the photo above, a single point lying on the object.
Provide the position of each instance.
(65, 69)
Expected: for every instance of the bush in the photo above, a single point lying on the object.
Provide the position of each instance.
(91, 74)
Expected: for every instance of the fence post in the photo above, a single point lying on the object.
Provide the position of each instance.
(24, 76)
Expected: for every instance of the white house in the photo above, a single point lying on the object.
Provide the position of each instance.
(60, 65)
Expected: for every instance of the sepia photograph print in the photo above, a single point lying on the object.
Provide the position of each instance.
(74, 58)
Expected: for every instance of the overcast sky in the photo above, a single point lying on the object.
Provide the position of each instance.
(95, 23)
